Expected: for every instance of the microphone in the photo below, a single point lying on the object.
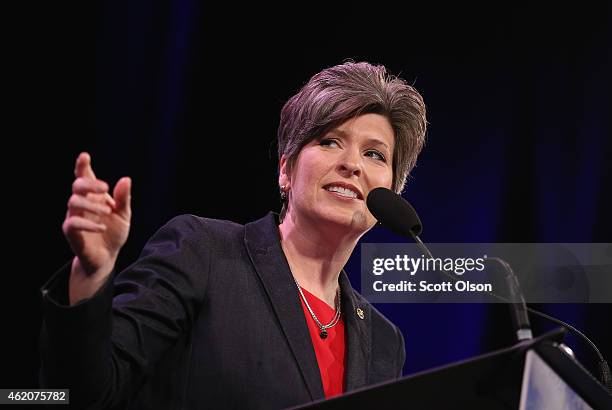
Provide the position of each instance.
(396, 214)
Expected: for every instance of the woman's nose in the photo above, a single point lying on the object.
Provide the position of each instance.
(350, 164)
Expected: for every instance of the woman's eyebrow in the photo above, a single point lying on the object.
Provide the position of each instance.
(376, 141)
(370, 140)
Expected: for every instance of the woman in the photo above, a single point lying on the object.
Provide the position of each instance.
(220, 315)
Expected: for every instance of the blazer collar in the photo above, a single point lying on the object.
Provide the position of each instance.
(262, 241)
(357, 336)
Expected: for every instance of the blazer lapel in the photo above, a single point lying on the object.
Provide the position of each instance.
(357, 337)
(263, 246)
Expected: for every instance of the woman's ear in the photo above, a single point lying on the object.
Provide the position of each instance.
(283, 176)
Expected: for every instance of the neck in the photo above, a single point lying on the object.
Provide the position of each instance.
(316, 256)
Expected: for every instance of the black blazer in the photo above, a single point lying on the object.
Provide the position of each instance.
(208, 317)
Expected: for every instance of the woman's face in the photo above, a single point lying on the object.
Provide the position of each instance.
(333, 175)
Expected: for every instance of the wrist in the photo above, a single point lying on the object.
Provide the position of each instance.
(83, 284)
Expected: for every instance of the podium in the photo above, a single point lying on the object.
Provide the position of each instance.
(533, 374)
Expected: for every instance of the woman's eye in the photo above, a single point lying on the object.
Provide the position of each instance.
(328, 142)
(376, 155)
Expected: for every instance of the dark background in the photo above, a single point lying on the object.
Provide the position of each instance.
(185, 99)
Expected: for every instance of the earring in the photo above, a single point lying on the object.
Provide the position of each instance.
(283, 193)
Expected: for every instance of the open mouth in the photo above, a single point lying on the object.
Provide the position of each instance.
(344, 190)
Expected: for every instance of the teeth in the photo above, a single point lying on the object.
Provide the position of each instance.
(342, 191)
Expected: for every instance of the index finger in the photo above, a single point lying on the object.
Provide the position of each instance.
(83, 166)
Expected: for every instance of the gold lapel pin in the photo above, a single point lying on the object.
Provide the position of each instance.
(360, 313)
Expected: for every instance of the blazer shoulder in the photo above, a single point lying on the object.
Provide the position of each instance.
(190, 233)
(193, 225)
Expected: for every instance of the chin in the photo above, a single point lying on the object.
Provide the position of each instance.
(353, 219)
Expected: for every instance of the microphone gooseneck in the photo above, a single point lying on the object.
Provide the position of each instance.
(518, 306)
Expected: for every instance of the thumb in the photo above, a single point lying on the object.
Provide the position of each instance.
(122, 193)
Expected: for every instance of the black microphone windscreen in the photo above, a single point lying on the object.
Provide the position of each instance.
(394, 212)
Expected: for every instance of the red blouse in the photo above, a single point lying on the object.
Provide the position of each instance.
(329, 351)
